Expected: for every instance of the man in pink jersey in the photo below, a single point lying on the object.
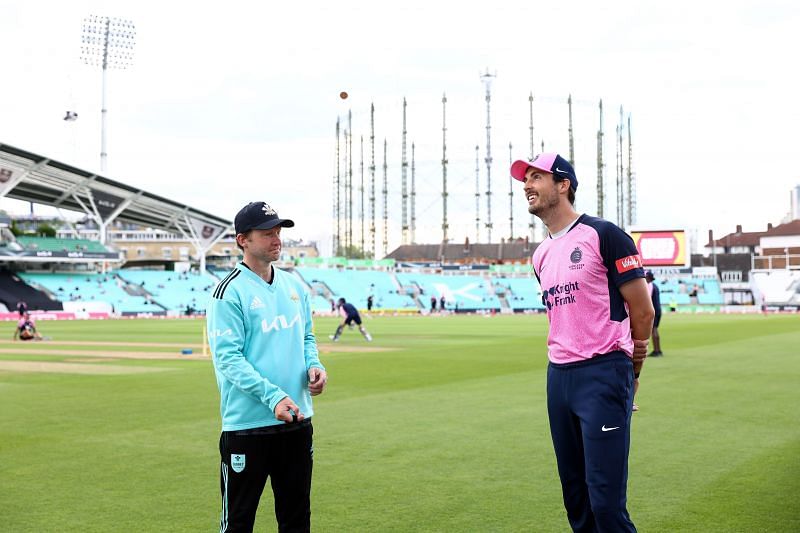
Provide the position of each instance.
(26, 329)
(600, 317)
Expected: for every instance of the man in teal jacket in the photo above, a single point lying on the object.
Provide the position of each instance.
(267, 368)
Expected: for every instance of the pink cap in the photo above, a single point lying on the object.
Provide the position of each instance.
(542, 162)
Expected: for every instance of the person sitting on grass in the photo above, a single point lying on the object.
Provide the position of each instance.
(350, 315)
(26, 329)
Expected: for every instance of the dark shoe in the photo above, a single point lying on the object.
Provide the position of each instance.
(654, 354)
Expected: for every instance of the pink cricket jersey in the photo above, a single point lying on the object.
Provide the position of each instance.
(580, 273)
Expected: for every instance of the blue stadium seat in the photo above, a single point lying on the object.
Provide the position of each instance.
(173, 290)
(462, 292)
(522, 294)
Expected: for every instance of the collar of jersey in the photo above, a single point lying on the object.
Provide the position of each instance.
(247, 272)
(567, 229)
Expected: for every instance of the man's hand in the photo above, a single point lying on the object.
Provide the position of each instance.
(317, 379)
(288, 411)
(639, 353)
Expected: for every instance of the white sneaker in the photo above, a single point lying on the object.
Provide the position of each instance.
(333, 338)
(368, 337)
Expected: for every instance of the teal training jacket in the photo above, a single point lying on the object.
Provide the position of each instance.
(262, 344)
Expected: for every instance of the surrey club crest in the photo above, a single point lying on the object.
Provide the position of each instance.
(237, 462)
(268, 210)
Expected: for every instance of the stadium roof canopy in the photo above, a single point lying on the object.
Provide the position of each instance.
(34, 178)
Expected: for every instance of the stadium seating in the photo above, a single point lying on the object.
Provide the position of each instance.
(91, 287)
(319, 304)
(355, 286)
(60, 245)
(522, 294)
(131, 291)
(173, 290)
(15, 288)
(776, 287)
(461, 292)
(710, 298)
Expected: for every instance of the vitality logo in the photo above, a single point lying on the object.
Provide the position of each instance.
(628, 263)
(560, 294)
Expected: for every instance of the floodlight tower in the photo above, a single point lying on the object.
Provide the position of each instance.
(487, 81)
(477, 195)
(373, 241)
(413, 198)
(404, 181)
(349, 183)
(337, 177)
(385, 203)
(600, 184)
(345, 217)
(620, 177)
(631, 180)
(444, 168)
(361, 192)
(571, 139)
(107, 42)
(532, 223)
(510, 197)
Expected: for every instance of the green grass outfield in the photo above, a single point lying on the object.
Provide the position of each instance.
(446, 431)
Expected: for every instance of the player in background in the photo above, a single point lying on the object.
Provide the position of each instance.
(600, 318)
(350, 315)
(655, 296)
(26, 329)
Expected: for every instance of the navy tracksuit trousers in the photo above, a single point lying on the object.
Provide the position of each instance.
(589, 404)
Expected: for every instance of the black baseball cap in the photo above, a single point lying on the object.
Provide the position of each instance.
(259, 215)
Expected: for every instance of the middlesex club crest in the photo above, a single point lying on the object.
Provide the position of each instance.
(576, 255)
(237, 462)
(268, 210)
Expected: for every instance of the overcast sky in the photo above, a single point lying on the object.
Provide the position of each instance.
(238, 102)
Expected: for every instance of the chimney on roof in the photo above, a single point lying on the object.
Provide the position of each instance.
(466, 245)
(738, 228)
(711, 237)
(769, 226)
(527, 244)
